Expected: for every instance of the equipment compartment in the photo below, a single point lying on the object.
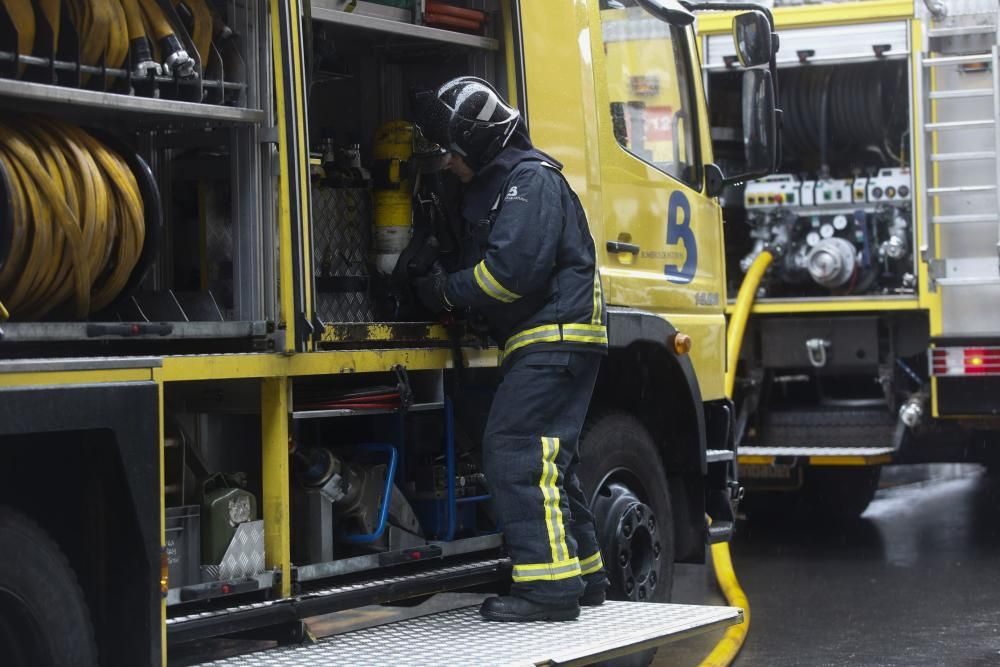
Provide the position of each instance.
(370, 195)
(144, 139)
(840, 216)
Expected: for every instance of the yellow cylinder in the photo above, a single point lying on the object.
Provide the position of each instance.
(393, 193)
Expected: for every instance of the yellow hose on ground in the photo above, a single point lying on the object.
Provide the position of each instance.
(732, 641)
(78, 220)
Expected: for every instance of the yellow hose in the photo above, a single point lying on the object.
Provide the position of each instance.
(52, 11)
(169, 48)
(22, 16)
(741, 313)
(201, 27)
(157, 19)
(77, 225)
(729, 646)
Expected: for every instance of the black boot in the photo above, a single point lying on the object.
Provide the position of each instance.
(512, 608)
(593, 596)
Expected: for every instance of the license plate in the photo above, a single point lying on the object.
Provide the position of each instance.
(766, 471)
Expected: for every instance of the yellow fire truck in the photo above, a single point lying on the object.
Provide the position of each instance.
(220, 412)
(874, 335)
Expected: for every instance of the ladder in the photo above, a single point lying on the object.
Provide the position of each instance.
(961, 170)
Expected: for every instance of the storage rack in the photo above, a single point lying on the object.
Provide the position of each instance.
(168, 115)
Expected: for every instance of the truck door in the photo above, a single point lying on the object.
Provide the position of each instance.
(662, 236)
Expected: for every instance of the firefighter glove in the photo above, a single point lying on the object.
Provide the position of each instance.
(430, 288)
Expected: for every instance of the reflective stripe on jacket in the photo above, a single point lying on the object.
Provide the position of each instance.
(536, 277)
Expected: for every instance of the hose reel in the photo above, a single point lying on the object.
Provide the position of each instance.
(81, 220)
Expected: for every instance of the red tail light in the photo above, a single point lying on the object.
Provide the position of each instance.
(959, 361)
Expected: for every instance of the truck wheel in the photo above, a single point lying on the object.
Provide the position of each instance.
(621, 473)
(841, 493)
(44, 621)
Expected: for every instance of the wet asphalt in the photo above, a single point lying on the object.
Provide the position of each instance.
(916, 581)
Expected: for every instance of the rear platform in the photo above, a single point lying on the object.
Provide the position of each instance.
(462, 637)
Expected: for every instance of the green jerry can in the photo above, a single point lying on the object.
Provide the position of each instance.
(225, 505)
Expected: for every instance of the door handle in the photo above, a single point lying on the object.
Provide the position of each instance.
(621, 246)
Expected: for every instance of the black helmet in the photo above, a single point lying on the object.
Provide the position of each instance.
(468, 116)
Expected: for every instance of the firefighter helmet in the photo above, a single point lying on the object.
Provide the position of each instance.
(468, 116)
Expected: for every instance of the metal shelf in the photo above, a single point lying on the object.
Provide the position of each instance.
(349, 412)
(12, 90)
(52, 332)
(325, 10)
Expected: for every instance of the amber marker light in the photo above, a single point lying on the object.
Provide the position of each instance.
(682, 343)
(164, 572)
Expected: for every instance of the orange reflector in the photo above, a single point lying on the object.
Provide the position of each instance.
(164, 572)
(682, 343)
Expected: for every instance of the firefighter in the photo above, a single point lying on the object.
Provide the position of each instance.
(532, 273)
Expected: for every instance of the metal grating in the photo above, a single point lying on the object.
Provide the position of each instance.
(342, 221)
(462, 637)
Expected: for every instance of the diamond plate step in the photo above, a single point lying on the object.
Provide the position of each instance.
(765, 455)
(462, 637)
(717, 455)
(216, 622)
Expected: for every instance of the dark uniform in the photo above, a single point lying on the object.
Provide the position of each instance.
(532, 272)
(533, 275)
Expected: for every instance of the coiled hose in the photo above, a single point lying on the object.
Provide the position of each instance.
(109, 29)
(76, 224)
(846, 108)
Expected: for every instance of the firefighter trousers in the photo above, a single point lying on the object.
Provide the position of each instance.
(531, 457)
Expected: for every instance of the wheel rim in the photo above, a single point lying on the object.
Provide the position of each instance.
(629, 533)
(21, 636)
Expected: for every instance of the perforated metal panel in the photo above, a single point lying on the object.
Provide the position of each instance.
(342, 220)
(462, 637)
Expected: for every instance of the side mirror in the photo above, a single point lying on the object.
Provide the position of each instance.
(760, 123)
(670, 11)
(752, 36)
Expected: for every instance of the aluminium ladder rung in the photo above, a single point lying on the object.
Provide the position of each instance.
(960, 94)
(957, 60)
(967, 218)
(960, 125)
(962, 190)
(958, 31)
(964, 155)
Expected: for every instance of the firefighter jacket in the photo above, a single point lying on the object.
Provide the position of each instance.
(532, 262)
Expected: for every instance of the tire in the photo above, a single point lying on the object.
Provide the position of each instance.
(618, 456)
(620, 466)
(44, 620)
(841, 494)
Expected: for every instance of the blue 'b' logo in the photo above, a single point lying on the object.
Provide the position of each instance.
(678, 231)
